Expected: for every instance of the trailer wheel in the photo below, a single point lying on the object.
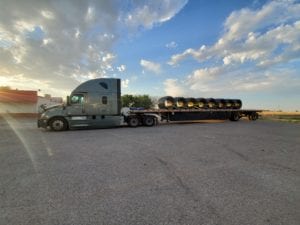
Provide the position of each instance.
(58, 124)
(149, 121)
(235, 116)
(133, 121)
(253, 116)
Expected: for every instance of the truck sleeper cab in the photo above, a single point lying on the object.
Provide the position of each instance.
(95, 103)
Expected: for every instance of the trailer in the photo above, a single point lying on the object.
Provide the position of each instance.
(151, 117)
(97, 104)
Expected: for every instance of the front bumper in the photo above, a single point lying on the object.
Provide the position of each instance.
(42, 123)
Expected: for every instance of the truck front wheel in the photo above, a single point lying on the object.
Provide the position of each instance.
(58, 124)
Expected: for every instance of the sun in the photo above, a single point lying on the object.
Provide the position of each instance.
(4, 81)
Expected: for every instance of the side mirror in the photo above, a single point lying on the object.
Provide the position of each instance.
(68, 100)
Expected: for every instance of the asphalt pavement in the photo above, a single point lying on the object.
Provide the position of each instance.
(192, 173)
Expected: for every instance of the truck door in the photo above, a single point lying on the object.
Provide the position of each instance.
(77, 107)
(77, 113)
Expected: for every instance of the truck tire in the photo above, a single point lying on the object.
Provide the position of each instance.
(58, 124)
(235, 116)
(253, 116)
(149, 121)
(133, 121)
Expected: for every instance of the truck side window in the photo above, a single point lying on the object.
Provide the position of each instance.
(77, 99)
(104, 100)
(104, 85)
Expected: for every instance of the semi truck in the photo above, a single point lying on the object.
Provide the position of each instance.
(97, 103)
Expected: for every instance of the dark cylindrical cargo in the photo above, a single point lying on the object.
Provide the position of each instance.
(191, 103)
(229, 103)
(166, 102)
(221, 103)
(237, 103)
(211, 103)
(179, 102)
(201, 103)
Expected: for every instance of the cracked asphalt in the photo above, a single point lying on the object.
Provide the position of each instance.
(191, 173)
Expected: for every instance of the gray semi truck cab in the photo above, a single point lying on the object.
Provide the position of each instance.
(95, 103)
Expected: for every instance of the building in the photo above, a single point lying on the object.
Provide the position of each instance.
(24, 102)
(18, 101)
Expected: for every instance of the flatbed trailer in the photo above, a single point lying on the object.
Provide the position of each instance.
(150, 117)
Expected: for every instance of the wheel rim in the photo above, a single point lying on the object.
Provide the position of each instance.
(134, 122)
(149, 121)
(57, 125)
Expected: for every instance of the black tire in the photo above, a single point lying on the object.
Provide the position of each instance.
(149, 121)
(133, 121)
(58, 124)
(253, 116)
(235, 116)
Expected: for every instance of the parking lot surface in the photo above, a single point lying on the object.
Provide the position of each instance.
(192, 173)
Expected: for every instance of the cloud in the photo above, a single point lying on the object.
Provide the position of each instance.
(23, 82)
(149, 13)
(171, 44)
(174, 88)
(249, 56)
(197, 54)
(125, 83)
(151, 66)
(224, 83)
(271, 36)
(121, 68)
(205, 74)
(69, 41)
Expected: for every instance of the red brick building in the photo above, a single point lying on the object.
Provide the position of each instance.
(18, 101)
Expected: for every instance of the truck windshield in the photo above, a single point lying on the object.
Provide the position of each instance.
(77, 99)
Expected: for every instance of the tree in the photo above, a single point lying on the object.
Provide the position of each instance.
(127, 100)
(137, 101)
(143, 101)
(5, 88)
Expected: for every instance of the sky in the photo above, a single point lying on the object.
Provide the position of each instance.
(247, 49)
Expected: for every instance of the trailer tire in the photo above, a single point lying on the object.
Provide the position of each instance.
(133, 121)
(149, 121)
(58, 124)
(235, 116)
(253, 116)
